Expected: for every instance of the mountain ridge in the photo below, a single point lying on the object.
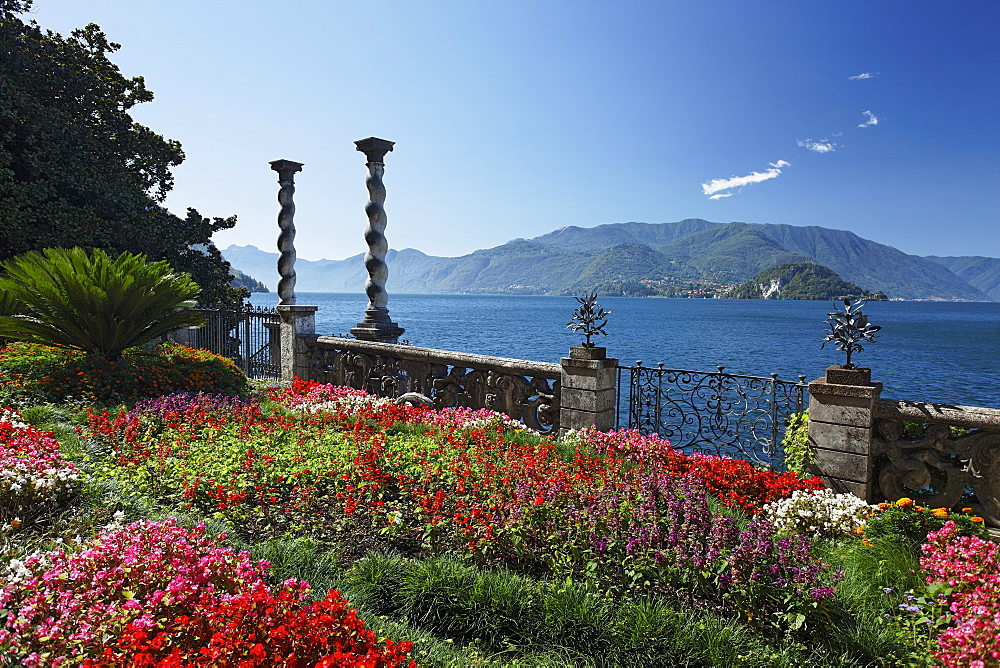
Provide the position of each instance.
(691, 253)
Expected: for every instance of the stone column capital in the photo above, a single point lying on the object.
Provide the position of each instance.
(374, 148)
(286, 169)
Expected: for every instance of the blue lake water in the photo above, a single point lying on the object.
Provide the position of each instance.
(931, 351)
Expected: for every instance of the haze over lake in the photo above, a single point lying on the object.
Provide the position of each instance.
(932, 351)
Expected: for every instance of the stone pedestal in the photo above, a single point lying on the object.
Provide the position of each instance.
(841, 421)
(377, 326)
(587, 390)
(297, 321)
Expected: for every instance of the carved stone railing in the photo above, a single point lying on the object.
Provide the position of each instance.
(524, 390)
(936, 468)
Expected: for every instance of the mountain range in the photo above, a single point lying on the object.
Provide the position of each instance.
(689, 257)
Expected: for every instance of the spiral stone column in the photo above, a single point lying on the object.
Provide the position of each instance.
(298, 322)
(377, 326)
(286, 237)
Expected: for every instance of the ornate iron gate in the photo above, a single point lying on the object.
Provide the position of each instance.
(715, 413)
(249, 336)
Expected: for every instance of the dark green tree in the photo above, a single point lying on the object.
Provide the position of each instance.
(76, 170)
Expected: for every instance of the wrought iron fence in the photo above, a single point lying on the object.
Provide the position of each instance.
(249, 336)
(715, 413)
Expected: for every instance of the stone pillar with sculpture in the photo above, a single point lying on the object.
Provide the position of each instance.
(297, 320)
(842, 409)
(587, 384)
(841, 424)
(377, 325)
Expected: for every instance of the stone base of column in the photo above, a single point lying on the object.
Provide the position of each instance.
(377, 326)
(297, 321)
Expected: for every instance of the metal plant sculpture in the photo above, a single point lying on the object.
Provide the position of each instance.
(848, 328)
(590, 318)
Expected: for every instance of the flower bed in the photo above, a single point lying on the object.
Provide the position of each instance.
(623, 510)
(34, 476)
(153, 593)
(624, 516)
(47, 373)
(967, 570)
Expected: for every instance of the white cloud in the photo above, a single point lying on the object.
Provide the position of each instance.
(862, 76)
(715, 187)
(822, 146)
(872, 120)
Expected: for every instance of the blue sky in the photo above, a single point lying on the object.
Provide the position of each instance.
(512, 119)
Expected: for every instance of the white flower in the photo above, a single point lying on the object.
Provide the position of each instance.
(819, 513)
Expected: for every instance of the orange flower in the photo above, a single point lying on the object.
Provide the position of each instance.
(905, 502)
(966, 510)
(976, 519)
(885, 505)
(859, 530)
(940, 512)
(919, 509)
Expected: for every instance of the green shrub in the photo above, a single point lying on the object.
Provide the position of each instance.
(799, 454)
(92, 302)
(908, 521)
(30, 372)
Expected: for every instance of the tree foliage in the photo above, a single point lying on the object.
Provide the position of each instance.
(76, 170)
(91, 302)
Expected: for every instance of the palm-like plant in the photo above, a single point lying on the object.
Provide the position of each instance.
(90, 301)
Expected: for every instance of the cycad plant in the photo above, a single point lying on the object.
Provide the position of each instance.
(90, 301)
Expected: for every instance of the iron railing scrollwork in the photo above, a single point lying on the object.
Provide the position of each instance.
(713, 413)
(941, 467)
(249, 336)
(524, 390)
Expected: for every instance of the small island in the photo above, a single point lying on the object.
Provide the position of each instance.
(800, 280)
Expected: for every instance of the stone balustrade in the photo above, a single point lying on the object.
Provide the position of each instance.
(955, 461)
(524, 390)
